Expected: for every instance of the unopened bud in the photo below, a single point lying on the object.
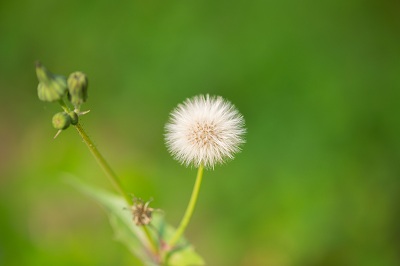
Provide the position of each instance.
(77, 88)
(61, 120)
(74, 118)
(51, 87)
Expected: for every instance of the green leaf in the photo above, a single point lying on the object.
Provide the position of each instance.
(134, 237)
(184, 255)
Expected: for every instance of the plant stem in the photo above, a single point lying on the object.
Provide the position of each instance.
(189, 210)
(112, 177)
(64, 106)
(153, 245)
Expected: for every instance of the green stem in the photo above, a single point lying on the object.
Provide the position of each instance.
(64, 106)
(189, 210)
(112, 177)
(153, 245)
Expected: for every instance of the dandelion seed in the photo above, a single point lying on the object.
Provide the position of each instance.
(204, 131)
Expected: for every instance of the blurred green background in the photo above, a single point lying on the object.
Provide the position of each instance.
(318, 82)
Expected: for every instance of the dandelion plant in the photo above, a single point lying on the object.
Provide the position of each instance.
(201, 132)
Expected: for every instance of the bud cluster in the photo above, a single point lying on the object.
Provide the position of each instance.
(53, 88)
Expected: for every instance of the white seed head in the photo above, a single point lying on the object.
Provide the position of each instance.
(204, 130)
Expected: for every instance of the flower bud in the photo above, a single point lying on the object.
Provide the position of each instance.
(77, 88)
(51, 87)
(61, 120)
(74, 118)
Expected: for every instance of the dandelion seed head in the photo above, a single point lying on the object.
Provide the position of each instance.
(204, 130)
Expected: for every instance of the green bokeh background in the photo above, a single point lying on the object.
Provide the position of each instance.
(318, 82)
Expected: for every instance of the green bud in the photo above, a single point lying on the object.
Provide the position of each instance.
(74, 118)
(61, 120)
(51, 87)
(77, 88)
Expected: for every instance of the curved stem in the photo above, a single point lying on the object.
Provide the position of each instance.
(189, 210)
